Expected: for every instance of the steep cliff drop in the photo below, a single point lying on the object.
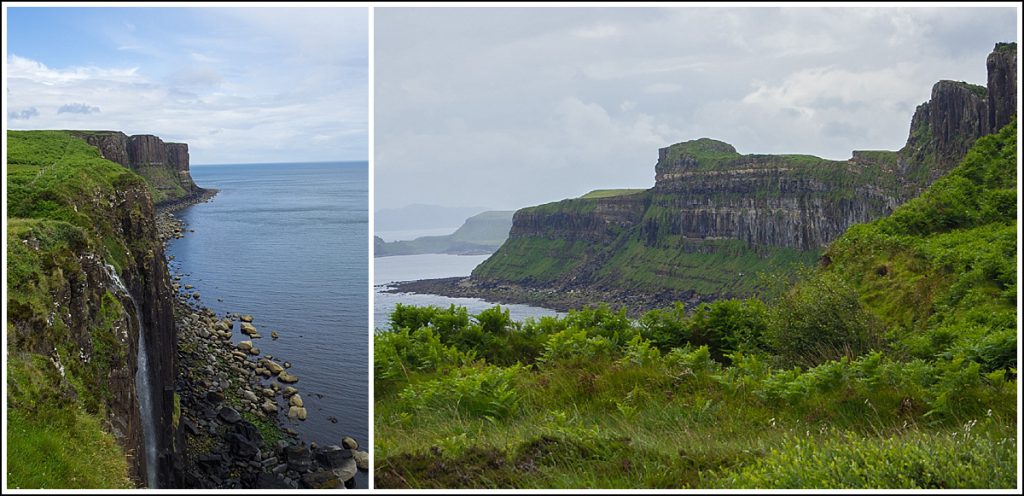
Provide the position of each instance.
(165, 166)
(715, 219)
(143, 382)
(92, 345)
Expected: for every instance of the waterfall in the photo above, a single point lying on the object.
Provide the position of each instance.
(143, 384)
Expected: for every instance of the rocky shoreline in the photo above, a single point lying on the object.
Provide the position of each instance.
(230, 401)
(558, 300)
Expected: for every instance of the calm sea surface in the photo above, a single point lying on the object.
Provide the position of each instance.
(415, 267)
(287, 243)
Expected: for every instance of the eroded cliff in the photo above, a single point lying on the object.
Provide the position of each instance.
(715, 218)
(165, 166)
(87, 283)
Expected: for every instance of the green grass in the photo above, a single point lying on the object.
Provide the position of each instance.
(65, 449)
(611, 193)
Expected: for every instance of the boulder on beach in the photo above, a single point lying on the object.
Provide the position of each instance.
(248, 328)
(295, 400)
(349, 443)
(287, 378)
(273, 366)
(246, 318)
(273, 335)
(269, 406)
(254, 351)
(195, 295)
(244, 345)
(288, 391)
(188, 286)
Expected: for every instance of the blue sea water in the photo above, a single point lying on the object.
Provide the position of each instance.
(288, 244)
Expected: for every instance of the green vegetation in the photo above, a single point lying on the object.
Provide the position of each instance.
(709, 153)
(64, 449)
(891, 365)
(60, 230)
(610, 193)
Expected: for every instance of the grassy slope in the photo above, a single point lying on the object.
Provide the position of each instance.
(56, 187)
(712, 399)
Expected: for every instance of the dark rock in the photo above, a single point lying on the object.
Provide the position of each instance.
(214, 397)
(298, 458)
(242, 446)
(229, 415)
(324, 479)
(333, 456)
(271, 481)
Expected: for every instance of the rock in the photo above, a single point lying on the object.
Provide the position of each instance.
(273, 366)
(287, 365)
(268, 392)
(229, 415)
(333, 456)
(241, 446)
(324, 479)
(214, 397)
(245, 318)
(295, 400)
(273, 335)
(288, 391)
(298, 458)
(287, 378)
(302, 413)
(188, 286)
(293, 412)
(248, 328)
(254, 351)
(347, 470)
(313, 446)
(249, 395)
(271, 481)
(244, 345)
(269, 406)
(279, 469)
(362, 459)
(195, 295)
(349, 443)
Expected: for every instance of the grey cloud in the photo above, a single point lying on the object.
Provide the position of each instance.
(23, 114)
(77, 108)
(528, 106)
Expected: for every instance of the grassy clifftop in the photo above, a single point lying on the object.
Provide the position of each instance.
(67, 334)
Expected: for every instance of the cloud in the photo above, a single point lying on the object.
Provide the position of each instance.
(527, 106)
(597, 31)
(24, 114)
(280, 84)
(77, 108)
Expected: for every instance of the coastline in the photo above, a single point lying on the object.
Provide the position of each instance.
(231, 415)
(561, 300)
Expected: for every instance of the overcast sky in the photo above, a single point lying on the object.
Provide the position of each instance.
(515, 107)
(239, 85)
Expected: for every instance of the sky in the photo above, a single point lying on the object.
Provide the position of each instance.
(507, 108)
(239, 85)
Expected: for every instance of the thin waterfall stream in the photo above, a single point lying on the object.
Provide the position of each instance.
(143, 385)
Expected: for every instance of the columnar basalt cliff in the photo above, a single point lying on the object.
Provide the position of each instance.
(88, 282)
(715, 217)
(164, 165)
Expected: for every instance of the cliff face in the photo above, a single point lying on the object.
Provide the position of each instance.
(88, 282)
(714, 216)
(165, 166)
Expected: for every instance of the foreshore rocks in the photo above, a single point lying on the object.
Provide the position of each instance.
(233, 410)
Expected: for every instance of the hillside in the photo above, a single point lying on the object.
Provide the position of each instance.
(87, 291)
(480, 234)
(892, 364)
(717, 219)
